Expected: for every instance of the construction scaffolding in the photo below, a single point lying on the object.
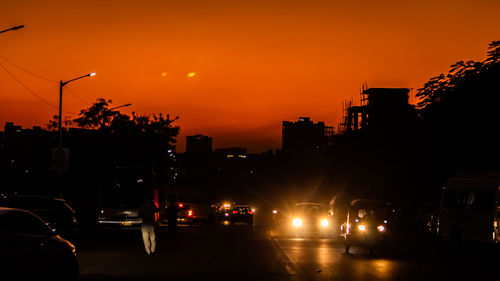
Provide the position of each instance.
(386, 105)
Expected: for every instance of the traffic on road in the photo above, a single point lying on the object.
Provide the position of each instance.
(359, 239)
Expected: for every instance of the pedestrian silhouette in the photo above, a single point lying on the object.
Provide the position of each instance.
(172, 211)
(147, 213)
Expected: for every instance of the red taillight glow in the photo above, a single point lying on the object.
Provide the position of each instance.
(235, 212)
(250, 212)
(190, 213)
(181, 205)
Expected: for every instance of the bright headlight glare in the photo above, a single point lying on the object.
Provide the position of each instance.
(381, 228)
(361, 227)
(297, 222)
(324, 222)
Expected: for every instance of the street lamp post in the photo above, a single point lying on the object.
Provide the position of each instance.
(61, 85)
(123, 105)
(12, 28)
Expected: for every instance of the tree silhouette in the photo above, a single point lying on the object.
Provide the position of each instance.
(442, 86)
(459, 112)
(53, 124)
(139, 139)
(98, 116)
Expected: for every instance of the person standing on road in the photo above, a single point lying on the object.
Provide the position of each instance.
(147, 213)
(172, 211)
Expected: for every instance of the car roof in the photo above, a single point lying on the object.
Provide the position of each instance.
(308, 204)
(473, 183)
(5, 210)
(358, 202)
(33, 196)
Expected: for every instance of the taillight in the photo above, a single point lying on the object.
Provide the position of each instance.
(181, 205)
(235, 212)
(250, 212)
(190, 213)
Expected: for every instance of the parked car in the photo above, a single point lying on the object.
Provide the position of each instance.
(55, 211)
(122, 191)
(31, 250)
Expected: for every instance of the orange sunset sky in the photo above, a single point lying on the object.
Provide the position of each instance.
(257, 63)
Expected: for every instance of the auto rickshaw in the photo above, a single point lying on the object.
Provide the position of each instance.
(366, 224)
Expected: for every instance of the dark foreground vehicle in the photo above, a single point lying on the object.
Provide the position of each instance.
(242, 213)
(366, 224)
(54, 211)
(30, 250)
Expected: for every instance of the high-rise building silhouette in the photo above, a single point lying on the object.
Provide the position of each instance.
(198, 145)
(305, 140)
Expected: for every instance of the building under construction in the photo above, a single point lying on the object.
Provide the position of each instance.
(381, 110)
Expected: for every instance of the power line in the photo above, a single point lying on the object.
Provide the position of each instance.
(27, 71)
(43, 78)
(29, 90)
(72, 92)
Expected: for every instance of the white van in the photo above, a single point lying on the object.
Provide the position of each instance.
(470, 210)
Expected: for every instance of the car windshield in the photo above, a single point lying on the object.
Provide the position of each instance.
(372, 212)
(309, 210)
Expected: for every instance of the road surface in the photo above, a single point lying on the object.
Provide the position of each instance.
(225, 252)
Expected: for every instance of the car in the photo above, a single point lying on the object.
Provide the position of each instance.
(123, 190)
(223, 210)
(309, 218)
(192, 205)
(241, 213)
(31, 250)
(55, 211)
(366, 225)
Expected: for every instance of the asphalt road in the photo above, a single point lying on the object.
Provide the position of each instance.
(225, 252)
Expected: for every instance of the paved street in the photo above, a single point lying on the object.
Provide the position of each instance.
(225, 252)
(197, 253)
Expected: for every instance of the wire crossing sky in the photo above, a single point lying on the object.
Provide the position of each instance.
(232, 70)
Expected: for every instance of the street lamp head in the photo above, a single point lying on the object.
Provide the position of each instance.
(92, 74)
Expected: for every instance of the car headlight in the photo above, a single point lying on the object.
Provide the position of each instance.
(324, 222)
(361, 227)
(381, 228)
(297, 222)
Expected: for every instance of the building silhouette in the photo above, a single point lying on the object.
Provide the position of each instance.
(231, 153)
(305, 140)
(198, 145)
(382, 110)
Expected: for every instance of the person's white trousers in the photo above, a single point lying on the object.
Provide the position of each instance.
(149, 238)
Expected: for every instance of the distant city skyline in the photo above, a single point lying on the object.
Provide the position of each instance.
(230, 70)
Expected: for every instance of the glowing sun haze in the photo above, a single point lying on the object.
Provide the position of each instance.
(232, 70)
